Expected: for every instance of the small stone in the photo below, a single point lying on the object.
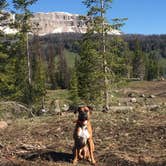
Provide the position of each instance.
(3, 125)
(142, 95)
(133, 100)
(152, 96)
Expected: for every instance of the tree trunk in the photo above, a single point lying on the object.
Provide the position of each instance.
(106, 93)
(28, 57)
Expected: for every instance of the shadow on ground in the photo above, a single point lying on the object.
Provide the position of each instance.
(49, 155)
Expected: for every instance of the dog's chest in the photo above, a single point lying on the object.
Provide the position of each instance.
(83, 134)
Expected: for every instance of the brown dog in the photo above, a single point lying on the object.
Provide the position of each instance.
(83, 141)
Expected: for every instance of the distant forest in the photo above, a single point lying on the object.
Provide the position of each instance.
(146, 56)
(65, 47)
(147, 43)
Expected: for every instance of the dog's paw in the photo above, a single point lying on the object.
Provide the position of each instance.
(75, 162)
(94, 162)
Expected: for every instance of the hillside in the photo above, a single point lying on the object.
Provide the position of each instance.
(125, 138)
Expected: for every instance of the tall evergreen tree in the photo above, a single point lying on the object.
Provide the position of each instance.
(73, 89)
(51, 75)
(23, 64)
(24, 26)
(4, 77)
(94, 70)
(62, 68)
(152, 65)
(89, 70)
(38, 70)
(138, 62)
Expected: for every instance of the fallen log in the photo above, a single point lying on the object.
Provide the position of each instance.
(121, 108)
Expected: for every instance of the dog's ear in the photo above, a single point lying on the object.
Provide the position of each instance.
(73, 108)
(90, 108)
(76, 109)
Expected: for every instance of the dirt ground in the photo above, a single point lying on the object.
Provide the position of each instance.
(122, 138)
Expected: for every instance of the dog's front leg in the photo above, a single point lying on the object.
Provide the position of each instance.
(91, 149)
(75, 154)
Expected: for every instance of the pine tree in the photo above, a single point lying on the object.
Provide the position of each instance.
(94, 70)
(62, 68)
(138, 62)
(24, 26)
(3, 72)
(5, 80)
(89, 71)
(152, 65)
(23, 63)
(73, 89)
(38, 71)
(51, 66)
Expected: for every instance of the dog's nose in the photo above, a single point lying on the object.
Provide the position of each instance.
(83, 116)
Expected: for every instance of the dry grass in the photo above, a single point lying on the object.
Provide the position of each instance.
(122, 138)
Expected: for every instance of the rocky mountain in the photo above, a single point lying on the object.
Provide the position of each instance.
(61, 22)
(56, 22)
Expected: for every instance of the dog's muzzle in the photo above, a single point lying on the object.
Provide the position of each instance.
(83, 116)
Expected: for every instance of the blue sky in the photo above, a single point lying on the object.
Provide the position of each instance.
(144, 16)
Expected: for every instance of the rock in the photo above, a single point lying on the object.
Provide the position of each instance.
(105, 109)
(57, 106)
(3, 125)
(142, 95)
(62, 22)
(119, 104)
(133, 100)
(65, 107)
(162, 78)
(152, 96)
(1, 146)
(153, 107)
(43, 110)
(112, 96)
(55, 22)
(131, 95)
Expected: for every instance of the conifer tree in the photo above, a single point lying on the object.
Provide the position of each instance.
(4, 81)
(23, 65)
(38, 69)
(73, 89)
(62, 68)
(152, 65)
(89, 71)
(138, 62)
(94, 70)
(51, 66)
(24, 26)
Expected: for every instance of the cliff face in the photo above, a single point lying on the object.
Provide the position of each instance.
(58, 22)
(7, 18)
(55, 22)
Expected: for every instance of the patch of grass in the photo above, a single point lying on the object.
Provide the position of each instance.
(53, 95)
(120, 137)
(70, 57)
(124, 138)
